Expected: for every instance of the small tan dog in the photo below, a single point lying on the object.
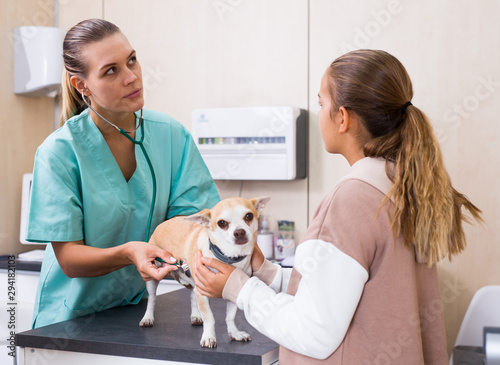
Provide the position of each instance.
(226, 232)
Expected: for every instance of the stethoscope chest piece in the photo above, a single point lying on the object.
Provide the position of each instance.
(184, 268)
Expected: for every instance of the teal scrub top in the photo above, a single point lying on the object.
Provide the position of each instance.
(80, 193)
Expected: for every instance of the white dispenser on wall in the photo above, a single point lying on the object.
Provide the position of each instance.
(262, 143)
(38, 62)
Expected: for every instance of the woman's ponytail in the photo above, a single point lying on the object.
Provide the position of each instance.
(75, 62)
(71, 102)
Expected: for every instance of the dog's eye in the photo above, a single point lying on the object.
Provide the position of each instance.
(222, 224)
(249, 217)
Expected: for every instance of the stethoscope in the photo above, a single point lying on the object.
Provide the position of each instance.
(181, 264)
(146, 156)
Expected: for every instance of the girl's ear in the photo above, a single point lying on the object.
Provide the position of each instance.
(345, 120)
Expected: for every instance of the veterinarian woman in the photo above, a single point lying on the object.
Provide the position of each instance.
(92, 187)
(364, 288)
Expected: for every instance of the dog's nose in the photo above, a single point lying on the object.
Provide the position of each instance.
(239, 234)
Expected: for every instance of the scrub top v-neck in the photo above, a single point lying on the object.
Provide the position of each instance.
(79, 193)
(128, 197)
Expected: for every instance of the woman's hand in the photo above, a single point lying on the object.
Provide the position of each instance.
(78, 260)
(143, 256)
(208, 283)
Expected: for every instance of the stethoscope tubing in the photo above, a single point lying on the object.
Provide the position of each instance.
(146, 156)
(153, 176)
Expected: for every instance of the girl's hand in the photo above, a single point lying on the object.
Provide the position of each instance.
(208, 283)
(257, 258)
(143, 256)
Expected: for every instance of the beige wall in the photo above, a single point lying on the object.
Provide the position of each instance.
(24, 121)
(225, 53)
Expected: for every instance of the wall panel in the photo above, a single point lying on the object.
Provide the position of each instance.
(72, 12)
(24, 121)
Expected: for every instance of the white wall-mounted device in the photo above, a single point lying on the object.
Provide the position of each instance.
(38, 62)
(262, 143)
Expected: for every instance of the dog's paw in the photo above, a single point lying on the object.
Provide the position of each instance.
(147, 322)
(240, 336)
(208, 341)
(196, 321)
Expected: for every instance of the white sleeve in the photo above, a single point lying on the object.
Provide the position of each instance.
(315, 320)
(281, 280)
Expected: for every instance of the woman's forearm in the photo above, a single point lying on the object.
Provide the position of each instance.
(79, 260)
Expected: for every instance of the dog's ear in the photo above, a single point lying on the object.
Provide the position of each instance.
(260, 203)
(202, 217)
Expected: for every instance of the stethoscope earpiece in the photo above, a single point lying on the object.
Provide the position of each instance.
(82, 94)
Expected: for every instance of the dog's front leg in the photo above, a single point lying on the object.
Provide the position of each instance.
(208, 338)
(149, 316)
(196, 319)
(232, 330)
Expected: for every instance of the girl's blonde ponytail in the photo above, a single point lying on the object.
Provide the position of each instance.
(428, 210)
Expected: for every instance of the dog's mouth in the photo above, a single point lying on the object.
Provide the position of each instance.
(241, 241)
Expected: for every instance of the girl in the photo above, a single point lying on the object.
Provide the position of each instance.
(364, 288)
(92, 185)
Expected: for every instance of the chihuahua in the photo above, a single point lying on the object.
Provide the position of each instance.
(226, 232)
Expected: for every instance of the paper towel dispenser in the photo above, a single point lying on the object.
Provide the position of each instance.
(261, 143)
(38, 62)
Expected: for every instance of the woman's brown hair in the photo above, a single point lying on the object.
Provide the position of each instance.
(428, 210)
(75, 63)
